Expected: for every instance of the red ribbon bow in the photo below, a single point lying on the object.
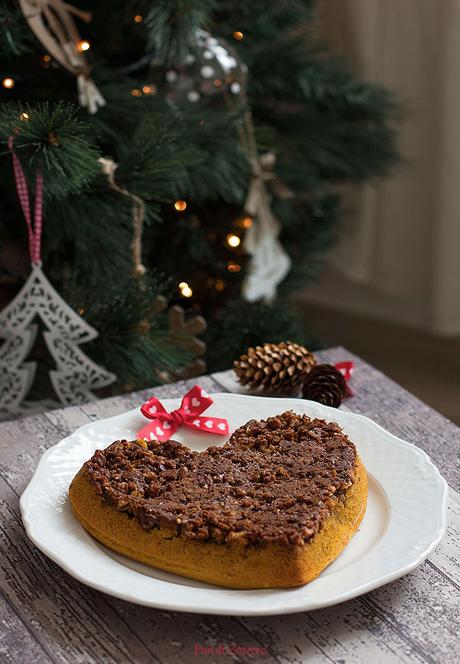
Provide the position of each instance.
(346, 369)
(164, 424)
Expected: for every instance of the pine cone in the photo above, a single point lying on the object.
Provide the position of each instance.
(274, 367)
(325, 384)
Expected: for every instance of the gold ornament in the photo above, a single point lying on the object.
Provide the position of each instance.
(273, 367)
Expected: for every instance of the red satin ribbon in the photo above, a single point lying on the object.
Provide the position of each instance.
(346, 369)
(164, 424)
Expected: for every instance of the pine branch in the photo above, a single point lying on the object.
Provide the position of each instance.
(242, 325)
(89, 235)
(17, 39)
(160, 158)
(139, 344)
(171, 25)
(49, 137)
(309, 231)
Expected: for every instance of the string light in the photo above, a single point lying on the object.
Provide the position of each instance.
(149, 89)
(233, 240)
(24, 116)
(217, 82)
(238, 35)
(136, 92)
(83, 45)
(138, 18)
(185, 289)
(8, 83)
(246, 222)
(219, 285)
(233, 267)
(180, 205)
(46, 58)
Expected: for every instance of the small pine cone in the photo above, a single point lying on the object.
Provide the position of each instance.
(274, 367)
(325, 384)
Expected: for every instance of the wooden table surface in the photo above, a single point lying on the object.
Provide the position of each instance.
(47, 616)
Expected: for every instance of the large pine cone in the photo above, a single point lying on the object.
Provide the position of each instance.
(274, 367)
(325, 384)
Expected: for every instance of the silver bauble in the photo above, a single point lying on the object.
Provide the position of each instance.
(211, 68)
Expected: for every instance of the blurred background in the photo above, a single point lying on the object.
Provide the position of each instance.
(391, 287)
(219, 175)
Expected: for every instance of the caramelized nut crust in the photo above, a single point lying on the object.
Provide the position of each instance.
(275, 480)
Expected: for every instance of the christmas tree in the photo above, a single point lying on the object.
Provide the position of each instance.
(190, 149)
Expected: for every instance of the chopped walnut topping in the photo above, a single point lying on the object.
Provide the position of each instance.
(274, 481)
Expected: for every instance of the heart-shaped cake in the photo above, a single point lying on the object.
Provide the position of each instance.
(270, 508)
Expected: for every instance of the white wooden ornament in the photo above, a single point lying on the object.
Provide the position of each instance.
(269, 262)
(52, 23)
(75, 375)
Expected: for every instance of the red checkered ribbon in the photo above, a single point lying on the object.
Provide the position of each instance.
(34, 227)
(164, 424)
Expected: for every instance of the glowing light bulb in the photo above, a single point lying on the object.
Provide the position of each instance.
(46, 58)
(8, 83)
(246, 222)
(185, 289)
(24, 116)
(233, 240)
(138, 18)
(219, 285)
(83, 45)
(136, 92)
(180, 205)
(233, 267)
(239, 36)
(149, 89)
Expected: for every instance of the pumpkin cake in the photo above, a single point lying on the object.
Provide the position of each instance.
(270, 508)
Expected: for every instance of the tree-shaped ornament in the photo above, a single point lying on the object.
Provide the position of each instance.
(75, 375)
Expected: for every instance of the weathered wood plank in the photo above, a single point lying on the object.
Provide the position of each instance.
(447, 556)
(414, 619)
(152, 631)
(53, 616)
(69, 620)
(173, 636)
(17, 641)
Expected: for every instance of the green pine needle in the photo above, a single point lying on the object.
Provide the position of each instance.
(50, 137)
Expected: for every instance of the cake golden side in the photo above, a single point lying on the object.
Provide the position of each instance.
(233, 564)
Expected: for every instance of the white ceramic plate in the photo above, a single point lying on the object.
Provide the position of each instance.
(405, 517)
